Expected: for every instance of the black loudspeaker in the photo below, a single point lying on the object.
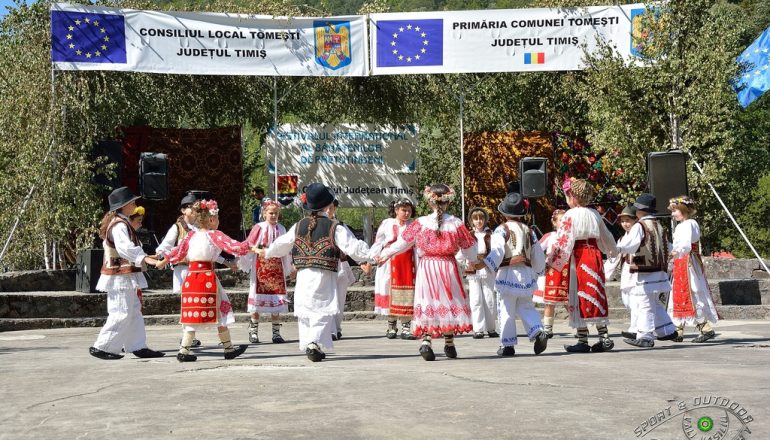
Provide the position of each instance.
(110, 152)
(201, 194)
(89, 265)
(666, 176)
(533, 175)
(153, 176)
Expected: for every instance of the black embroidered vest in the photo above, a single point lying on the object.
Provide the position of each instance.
(319, 250)
(651, 255)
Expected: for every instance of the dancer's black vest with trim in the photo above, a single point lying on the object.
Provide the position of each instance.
(651, 256)
(317, 251)
(113, 263)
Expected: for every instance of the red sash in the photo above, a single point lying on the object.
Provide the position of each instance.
(200, 302)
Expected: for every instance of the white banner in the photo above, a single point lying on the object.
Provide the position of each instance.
(512, 40)
(97, 38)
(366, 164)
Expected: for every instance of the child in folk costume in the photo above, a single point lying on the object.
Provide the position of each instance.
(122, 279)
(345, 279)
(174, 237)
(627, 219)
(204, 301)
(440, 303)
(481, 281)
(316, 244)
(644, 276)
(394, 279)
(691, 301)
(518, 259)
(553, 286)
(267, 277)
(137, 218)
(579, 243)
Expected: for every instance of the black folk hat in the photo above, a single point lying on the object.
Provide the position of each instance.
(319, 196)
(646, 202)
(513, 205)
(188, 200)
(120, 197)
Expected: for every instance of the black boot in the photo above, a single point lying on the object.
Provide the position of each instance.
(182, 357)
(506, 351)
(235, 353)
(101, 354)
(426, 351)
(541, 342)
(580, 347)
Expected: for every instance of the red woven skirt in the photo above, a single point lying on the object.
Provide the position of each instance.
(200, 301)
(589, 271)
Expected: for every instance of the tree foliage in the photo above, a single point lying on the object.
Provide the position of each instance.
(623, 110)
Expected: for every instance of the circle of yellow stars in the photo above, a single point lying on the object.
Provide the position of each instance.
(88, 22)
(405, 56)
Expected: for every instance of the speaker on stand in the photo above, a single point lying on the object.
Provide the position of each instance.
(153, 183)
(533, 183)
(667, 176)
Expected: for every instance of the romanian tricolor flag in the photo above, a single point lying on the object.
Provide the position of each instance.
(534, 58)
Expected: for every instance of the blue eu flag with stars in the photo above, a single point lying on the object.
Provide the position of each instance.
(87, 37)
(756, 80)
(406, 43)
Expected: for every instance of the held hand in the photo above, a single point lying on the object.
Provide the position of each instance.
(160, 264)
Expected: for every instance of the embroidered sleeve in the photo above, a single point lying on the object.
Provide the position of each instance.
(411, 231)
(168, 241)
(282, 245)
(563, 244)
(496, 250)
(227, 244)
(179, 253)
(379, 240)
(464, 238)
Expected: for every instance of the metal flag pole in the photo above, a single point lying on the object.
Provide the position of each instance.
(730, 215)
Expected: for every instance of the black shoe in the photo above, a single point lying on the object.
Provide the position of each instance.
(339, 335)
(101, 354)
(334, 336)
(253, 334)
(493, 334)
(391, 333)
(450, 351)
(278, 339)
(678, 338)
(703, 337)
(314, 354)
(580, 347)
(478, 335)
(407, 335)
(604, 344)
(672, 337)
(506, 351)
(541, 342)
(549, 334)
(641, 343)
(628, 335)
(186, 357)
(235, 353)
(426, 351)
(147, 353)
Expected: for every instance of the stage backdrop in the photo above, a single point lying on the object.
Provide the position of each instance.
(201, 159)
(366, 164)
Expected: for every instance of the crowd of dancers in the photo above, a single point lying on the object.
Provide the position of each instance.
(420, 265)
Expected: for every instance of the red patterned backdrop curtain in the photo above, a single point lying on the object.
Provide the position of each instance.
(199, 159)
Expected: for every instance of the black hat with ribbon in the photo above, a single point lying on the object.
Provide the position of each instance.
(646, 202)
(120, 197)
(513, 205)
(319, 196)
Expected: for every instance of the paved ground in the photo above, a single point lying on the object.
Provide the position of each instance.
(371, 387)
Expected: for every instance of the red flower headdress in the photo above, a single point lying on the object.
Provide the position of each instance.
(211, 206)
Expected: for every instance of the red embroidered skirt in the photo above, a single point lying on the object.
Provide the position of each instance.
(200, 301)
(402, 276)
(589, 271)
(556, 285)
(681, 295)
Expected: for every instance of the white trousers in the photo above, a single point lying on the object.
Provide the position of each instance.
(509, 308)
(180, 273)
(649, 317)
(125, 325)
(316, 328)
(483, 302)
